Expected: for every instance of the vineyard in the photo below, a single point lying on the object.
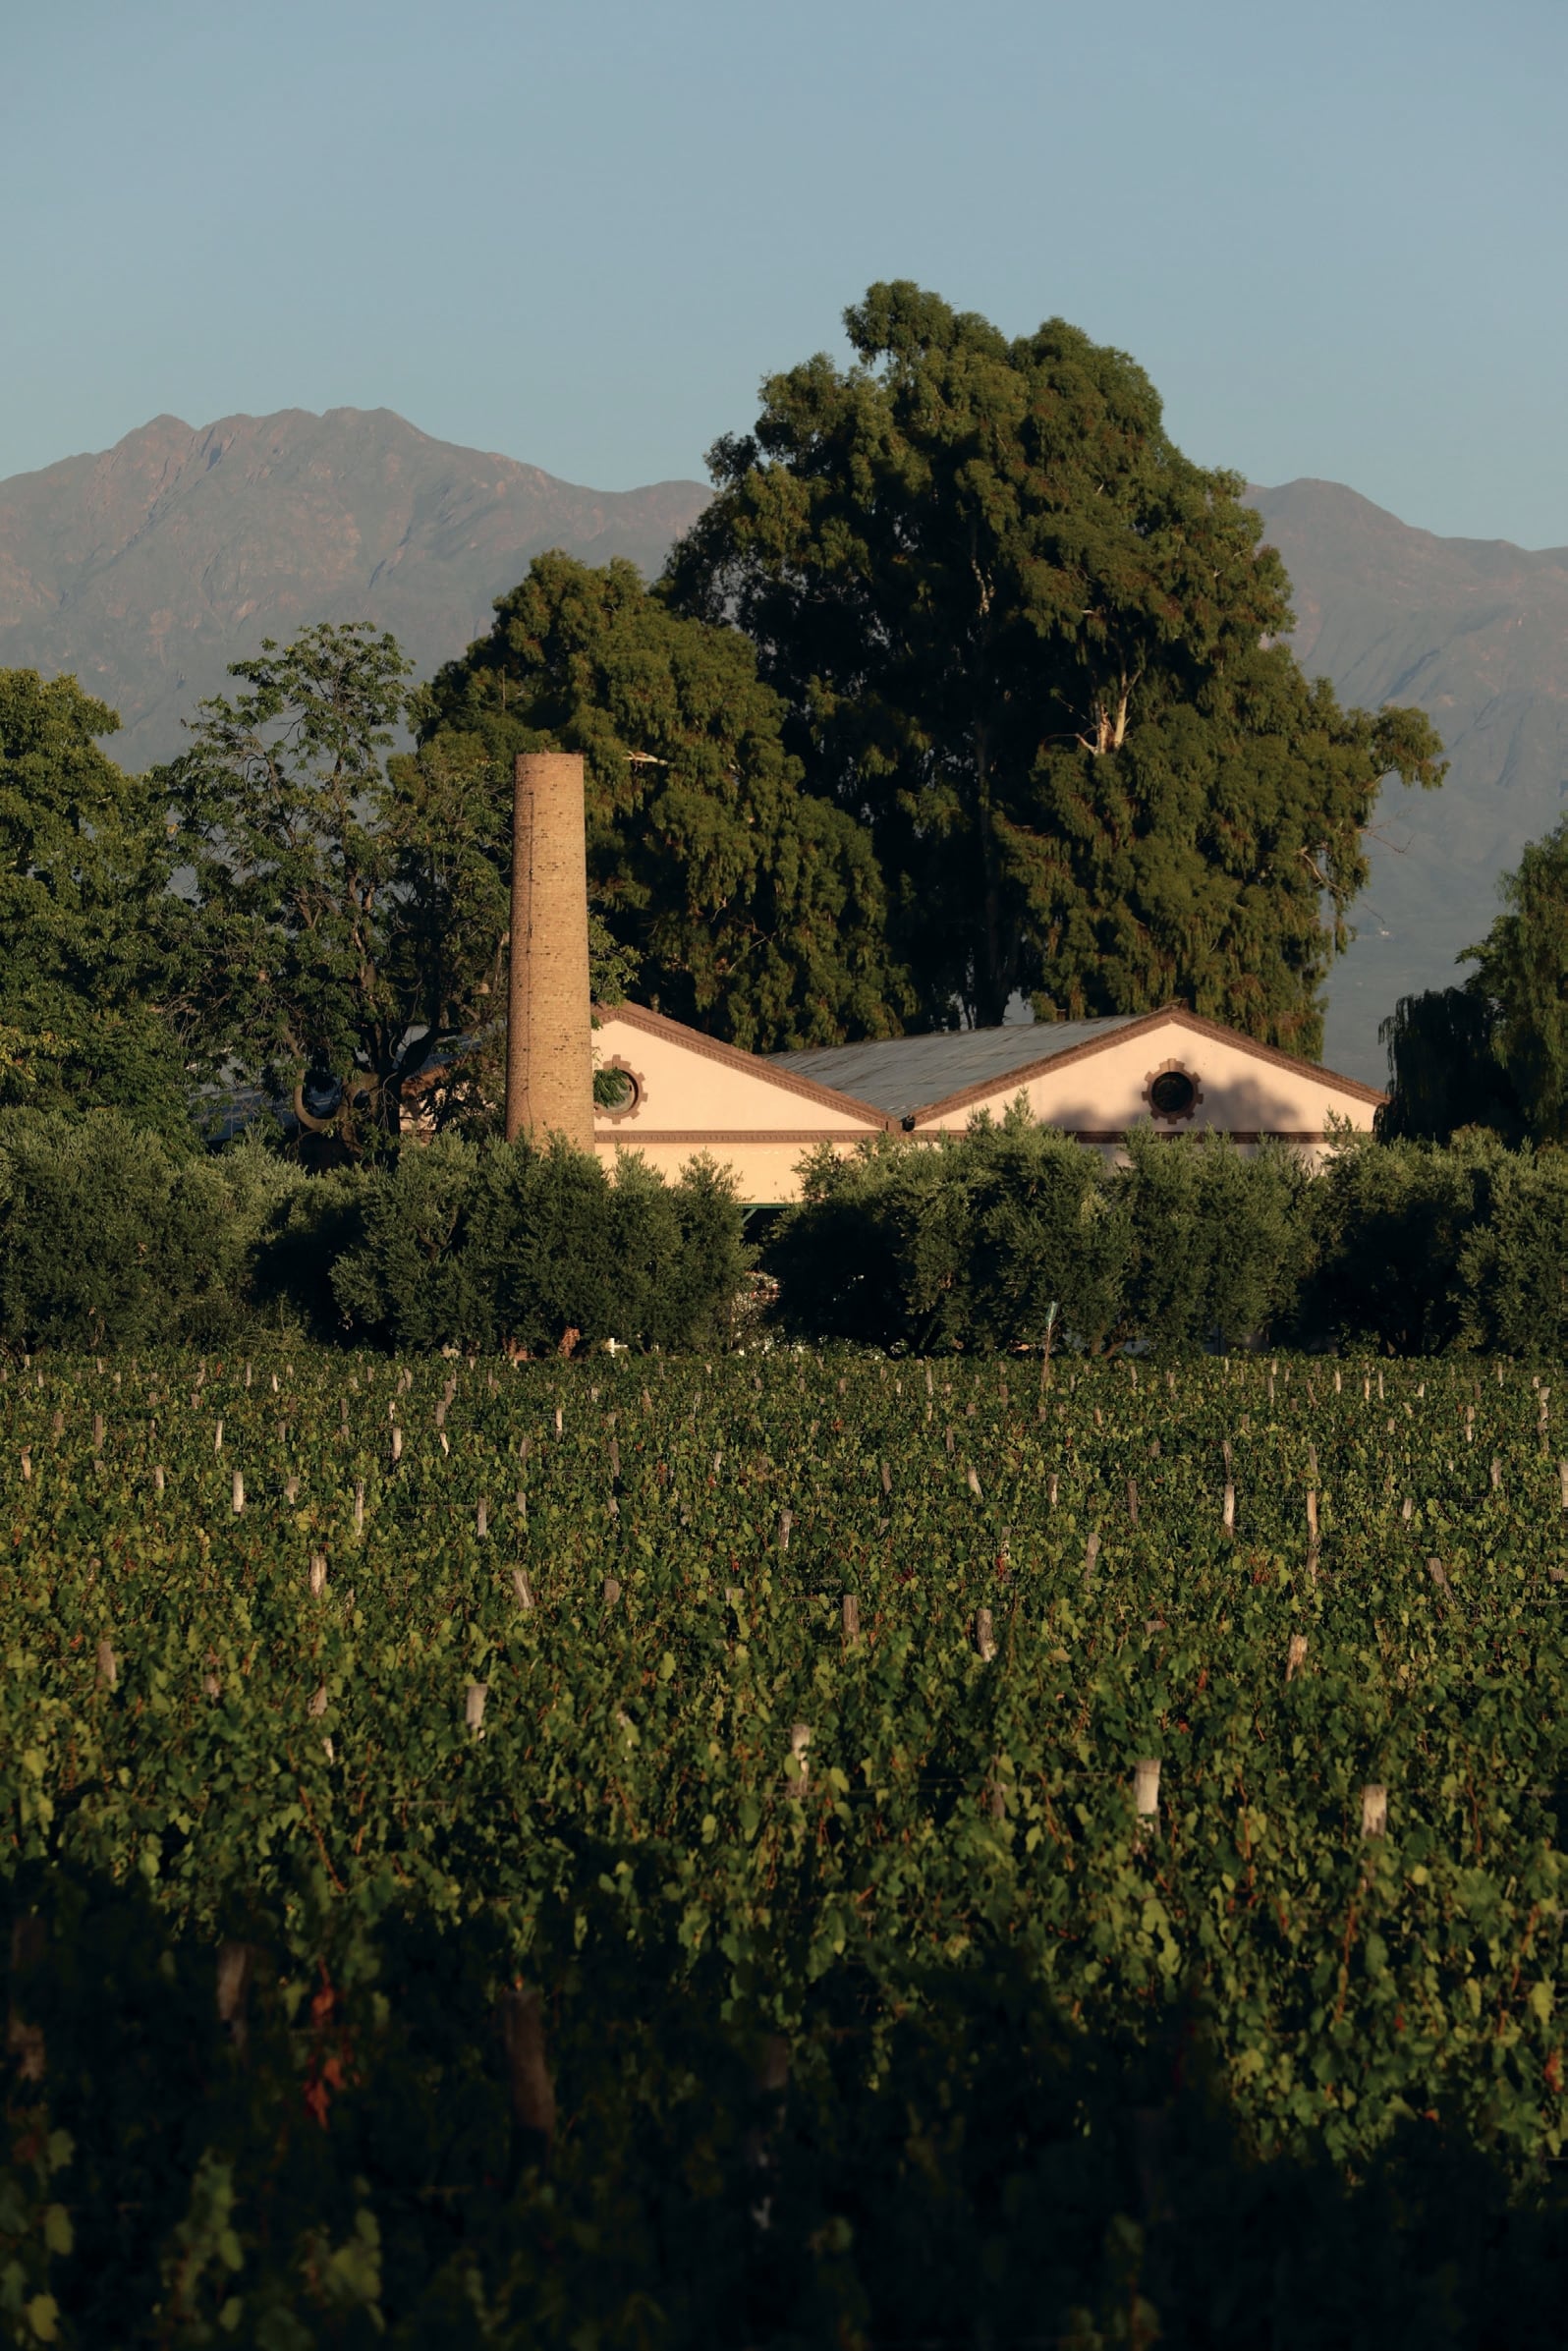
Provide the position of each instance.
(785, 1849)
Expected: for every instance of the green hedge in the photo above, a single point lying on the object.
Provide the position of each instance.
(969, 1241)
(1404, 1248)
(473, 1245)
(109, 1236)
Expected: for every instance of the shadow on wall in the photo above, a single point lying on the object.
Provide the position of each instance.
(1246, 1107)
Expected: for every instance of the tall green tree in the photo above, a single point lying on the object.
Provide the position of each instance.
(754, 908)
(1444, 1070)
(94, 1011)
(348, 914)
(1494, 1050)
(1036, 649)
(1522, 976)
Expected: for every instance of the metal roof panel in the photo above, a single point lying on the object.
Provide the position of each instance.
(903, 1074)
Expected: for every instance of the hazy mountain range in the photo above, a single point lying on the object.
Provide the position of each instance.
(149, 567)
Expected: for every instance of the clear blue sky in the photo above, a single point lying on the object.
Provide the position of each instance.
(581, 234)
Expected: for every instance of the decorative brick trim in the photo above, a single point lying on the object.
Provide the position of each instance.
(634, 1137)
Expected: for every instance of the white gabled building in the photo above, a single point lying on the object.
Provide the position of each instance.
(1093, 1079)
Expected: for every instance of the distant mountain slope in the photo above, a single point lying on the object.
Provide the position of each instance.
(148, 567)
(1476, 633)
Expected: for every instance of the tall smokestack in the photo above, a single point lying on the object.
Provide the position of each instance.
(549, 1059)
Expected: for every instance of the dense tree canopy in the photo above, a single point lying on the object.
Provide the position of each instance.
(1035, 649)
(92, 945)
(752, 908)
(1522, 974)
(349, 912)
(1494, 1051)
(1444, 1071)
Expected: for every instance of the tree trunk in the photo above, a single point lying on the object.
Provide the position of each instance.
(992, 981)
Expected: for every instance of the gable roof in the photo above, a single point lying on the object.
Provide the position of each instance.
(902, 1074)
(972, 1065)
(750, 1065)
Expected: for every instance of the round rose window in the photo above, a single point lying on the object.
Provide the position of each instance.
(1173, 1094)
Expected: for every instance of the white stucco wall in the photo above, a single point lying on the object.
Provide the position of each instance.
(698, 1097)
(1242, 1090)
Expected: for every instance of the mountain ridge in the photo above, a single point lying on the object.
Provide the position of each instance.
(1476, 633)
(147, 568)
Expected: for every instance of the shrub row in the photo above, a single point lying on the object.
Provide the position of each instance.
(1403, 1248)
(110, 1237)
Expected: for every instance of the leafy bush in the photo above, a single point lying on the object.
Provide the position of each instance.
(980, 2186)
(1389, 1223)
(967, 1242)
(1220, 1243)
(114, 1237)
(109, 1236)
(1513, 1267)
(476, 1245)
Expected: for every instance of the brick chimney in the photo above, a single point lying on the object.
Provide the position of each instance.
(550, 1057)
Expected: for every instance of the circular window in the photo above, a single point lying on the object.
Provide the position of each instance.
(618, 1090)
(322, 1094)
(1173, 1094)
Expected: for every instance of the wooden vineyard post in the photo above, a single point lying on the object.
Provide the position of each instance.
(1227, 1513)
(800, 1757)
(236, 1492)
(527, 2071)
(1311, 1532)
(1145, 1795)
(108, 1666)
(358, 1507)
(1090, 1554)
(984, 1635)
(474, 1698)
(1375, 1809)
(318, 1574)
(236, 1963)
(849, 1609)
(522, 1590)
(1295, 1655)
